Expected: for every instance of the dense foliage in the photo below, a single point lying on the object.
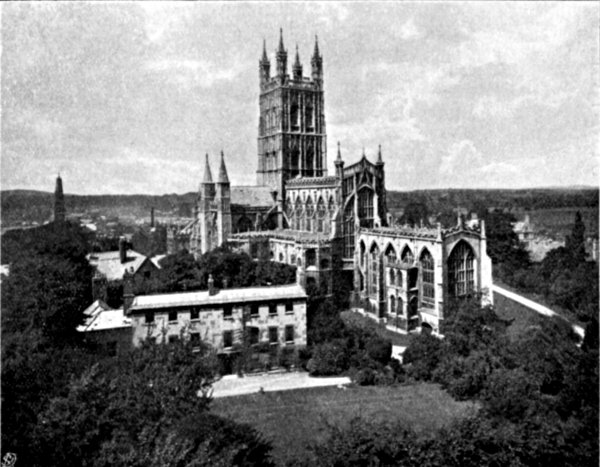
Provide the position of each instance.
(538, 398)
(64, 404)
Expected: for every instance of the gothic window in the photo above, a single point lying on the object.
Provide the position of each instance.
(392, 276)
(310, 161)
(298, 215)
(331, 206)
(320, 214)
(427, 278)
(461, 274)
(407, 255)
(295, 117)
(373, 270)
(311, 257)
(274, 118)
(309, 118)
(392, 308)
(348, 229)
(362, 253)
(390, 254)
(400, 306)
(295, 162)
(310, 210)
(365, 207)
(289, 212)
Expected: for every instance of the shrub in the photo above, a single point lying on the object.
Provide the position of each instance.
(379, 349)
(422, 356)
(328, 359)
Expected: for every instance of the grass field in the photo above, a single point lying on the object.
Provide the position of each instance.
(292, 420)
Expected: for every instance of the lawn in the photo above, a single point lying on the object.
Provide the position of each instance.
(292, 420)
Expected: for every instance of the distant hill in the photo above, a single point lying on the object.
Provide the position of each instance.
(26, 206)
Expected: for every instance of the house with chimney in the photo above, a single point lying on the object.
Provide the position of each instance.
(110, 266)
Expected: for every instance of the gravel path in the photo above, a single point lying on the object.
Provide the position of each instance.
(232, 385)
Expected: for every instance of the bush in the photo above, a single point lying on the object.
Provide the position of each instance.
(328, 359)
(422, 356)
(379, 349)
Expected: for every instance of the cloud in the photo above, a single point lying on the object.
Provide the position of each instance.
(191, 73)
(409, 31)
(462, 158)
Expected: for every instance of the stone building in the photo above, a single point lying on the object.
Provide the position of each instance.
(328, 225)
(275, 315)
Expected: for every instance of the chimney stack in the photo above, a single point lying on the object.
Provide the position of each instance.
(128, 295)
(211, 286)
(122, 250)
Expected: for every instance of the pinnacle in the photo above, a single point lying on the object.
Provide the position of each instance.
(223, 178)
(207, 172)
(316, 52)
(281, 47)
(265, 58)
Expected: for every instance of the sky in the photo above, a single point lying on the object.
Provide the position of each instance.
(125, 98)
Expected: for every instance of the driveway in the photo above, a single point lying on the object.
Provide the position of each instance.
(232, 385)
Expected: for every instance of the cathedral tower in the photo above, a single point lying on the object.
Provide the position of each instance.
(213, 211)
(59, 202)
(291, 129)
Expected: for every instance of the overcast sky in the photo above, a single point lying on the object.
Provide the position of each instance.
(128, 97)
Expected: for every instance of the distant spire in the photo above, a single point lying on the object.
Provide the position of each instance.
(316, 53)
(364, 155)
(379, 159)
(265, 58)
(223, 178)
(339, 153)
(59, 202)
(281, 47)
(297, 69)
(207, 172)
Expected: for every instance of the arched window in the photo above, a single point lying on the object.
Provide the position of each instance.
(310, 162)
(298, 214)
(310, 211)
(274, 118)
(348, 229)
(390, 254)
(331, 206)
(308, 118)
(374, 271)
(400, 307)
(365, 207)
(427, 278)
(294, 162)
(295, 116)
(320, 214)
(461, 274)
(281, 257)
(289, 212)
(392, 277)
(362, 253)
(407, 255)
(311, 257)
(392, 308)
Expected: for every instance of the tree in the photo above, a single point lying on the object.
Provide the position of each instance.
(415, 214)
(575, 243)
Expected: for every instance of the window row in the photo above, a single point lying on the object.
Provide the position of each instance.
(194, 313)
(254, 335)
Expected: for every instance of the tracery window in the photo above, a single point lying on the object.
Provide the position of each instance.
(309, 118)
(294, 161)
(461, 273)
(427, 278)
(348, 229)
(407, 255)
(320, 214)
(365, 207)
(310, 210)
(374, 271)
(298, 215)
(294, 116)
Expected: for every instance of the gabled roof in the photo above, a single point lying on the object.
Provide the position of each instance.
(200, 298)
(252, 196)
(109, 263)
(100, 317)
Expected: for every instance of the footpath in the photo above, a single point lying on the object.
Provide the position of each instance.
(542, 310)
(233, 385)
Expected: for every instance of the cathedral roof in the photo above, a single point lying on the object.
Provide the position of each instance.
(312, 181)
(259, 196)
(299, 236)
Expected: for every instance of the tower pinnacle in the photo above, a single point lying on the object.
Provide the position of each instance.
(379, 158)
(297, 66)
(207, 172)
(223, 178)
(281, 57)
(265, 58)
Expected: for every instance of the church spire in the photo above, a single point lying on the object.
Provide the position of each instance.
(223, 178)
(379, 158)
(59, 202)
(207, 172)
(264, 65)
(264, 58)
(297, 70)
(317, 63)
(339, 153)
(316, 53)
(281, 57)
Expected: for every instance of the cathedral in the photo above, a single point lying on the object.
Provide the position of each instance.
(333, 227)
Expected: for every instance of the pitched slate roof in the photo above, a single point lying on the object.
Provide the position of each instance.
(100, 317)
(252, 196)
(109, 263)
(241, 295)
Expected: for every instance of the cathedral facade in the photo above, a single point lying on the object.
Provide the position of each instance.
(334, 228)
